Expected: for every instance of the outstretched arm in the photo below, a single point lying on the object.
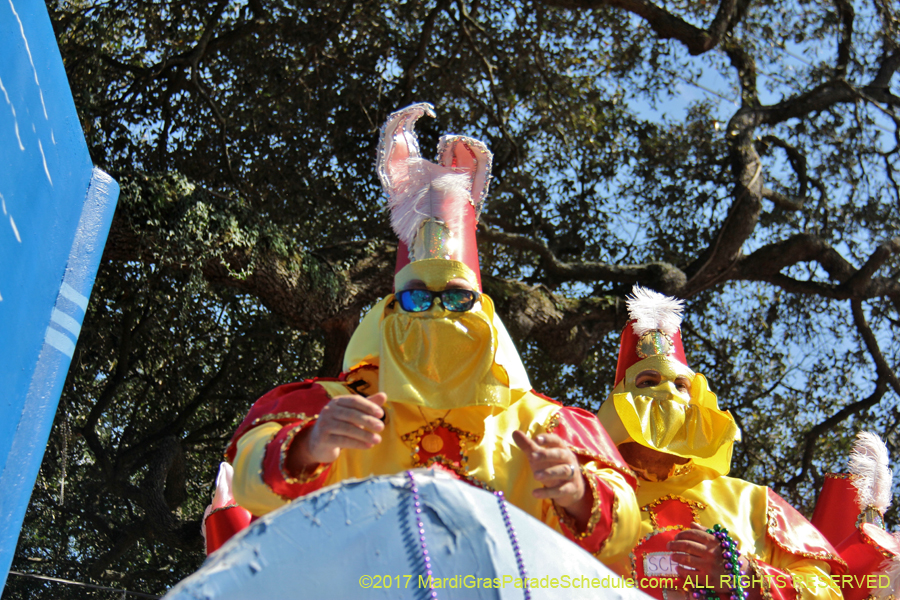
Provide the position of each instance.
(557, 468)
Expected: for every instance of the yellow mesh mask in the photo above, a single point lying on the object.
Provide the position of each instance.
(437, 358)
(661, 419)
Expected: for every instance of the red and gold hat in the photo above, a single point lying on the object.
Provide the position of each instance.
(434, 207)
(434, 212)
(654, 330)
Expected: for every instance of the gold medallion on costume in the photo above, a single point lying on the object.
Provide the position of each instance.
(439, 443)
(432, 443)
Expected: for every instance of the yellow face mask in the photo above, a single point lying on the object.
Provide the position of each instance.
(437, 358)
(661, 418)
(440, 359)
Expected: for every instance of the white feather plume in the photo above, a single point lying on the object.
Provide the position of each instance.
(870, 463)
(429, 192)
(891, 568)
(652, 310)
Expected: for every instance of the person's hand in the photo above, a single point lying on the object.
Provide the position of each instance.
(345, 422)
(698, 552)
(557, 468)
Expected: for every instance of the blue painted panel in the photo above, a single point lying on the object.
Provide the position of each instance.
(360, 539)
(55, 212)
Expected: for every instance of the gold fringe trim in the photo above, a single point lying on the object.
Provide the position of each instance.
(694, 505)
(307, 475)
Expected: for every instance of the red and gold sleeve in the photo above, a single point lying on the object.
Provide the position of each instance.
(287, 404)
(800, 562)
(796, 579)
(258, 448)
(613, 527)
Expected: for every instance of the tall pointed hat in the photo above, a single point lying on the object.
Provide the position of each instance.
(434, 212)
(434, 207)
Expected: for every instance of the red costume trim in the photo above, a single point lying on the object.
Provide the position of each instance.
(273, 473)
(585, 436)
(285, 404)
(603, 516)
(777, 584)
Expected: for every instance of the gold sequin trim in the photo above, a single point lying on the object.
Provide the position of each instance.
(221, 508)
(552, 423)
(461, 470)
(612, 525)
(563, 515)
(307, 475)
(772, 524)
(874, 544)
(694, 505)
(282, 416)
(413, 439)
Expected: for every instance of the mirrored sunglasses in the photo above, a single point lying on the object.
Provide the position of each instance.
(453, 300)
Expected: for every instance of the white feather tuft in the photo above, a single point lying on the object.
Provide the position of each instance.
(870, 463)
(651, 310)
(429, 192)
(222, 496)
(891, 568)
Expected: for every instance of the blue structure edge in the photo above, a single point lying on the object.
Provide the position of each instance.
(36, 420)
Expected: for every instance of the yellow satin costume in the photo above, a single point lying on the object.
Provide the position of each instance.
(487, 398)
(781, 546)
(788, 557)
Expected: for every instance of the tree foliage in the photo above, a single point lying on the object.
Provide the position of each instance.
(250, 232)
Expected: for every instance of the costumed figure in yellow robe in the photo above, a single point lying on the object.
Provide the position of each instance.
(703, 534)
(432, 379)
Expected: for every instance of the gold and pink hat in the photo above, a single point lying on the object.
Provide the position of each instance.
(434, 206)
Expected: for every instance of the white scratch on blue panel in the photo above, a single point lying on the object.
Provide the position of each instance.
(44, 158)
(70, 293)
(15, 229)
(60, 341)
(28, 50)
(11, 221)
(65, 321)
(13, 109)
